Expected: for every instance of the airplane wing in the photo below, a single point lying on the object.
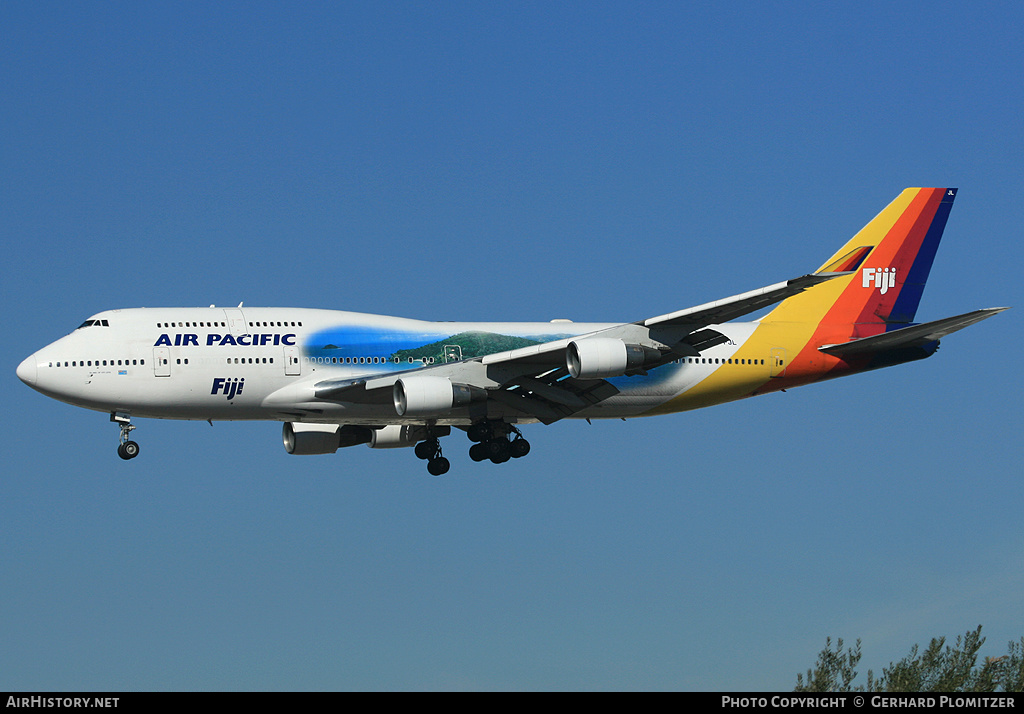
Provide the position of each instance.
(537, 382)
(715, 313)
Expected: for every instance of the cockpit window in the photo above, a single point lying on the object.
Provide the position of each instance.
(94, 323)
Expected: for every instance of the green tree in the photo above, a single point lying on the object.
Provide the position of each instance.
(834, 671)
(940, 668)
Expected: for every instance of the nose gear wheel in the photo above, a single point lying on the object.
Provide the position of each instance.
(128, 449)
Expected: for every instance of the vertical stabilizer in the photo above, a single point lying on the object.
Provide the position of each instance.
(889, 259)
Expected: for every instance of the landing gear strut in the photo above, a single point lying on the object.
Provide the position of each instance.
(430, 451)
(128, 449)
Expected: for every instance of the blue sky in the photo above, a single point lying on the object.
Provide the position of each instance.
(513, 161)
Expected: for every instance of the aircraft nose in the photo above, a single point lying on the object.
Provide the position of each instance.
(27, 371)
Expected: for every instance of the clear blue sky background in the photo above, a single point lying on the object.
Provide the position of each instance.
(505, 161)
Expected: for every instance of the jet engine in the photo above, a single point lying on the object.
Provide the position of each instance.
(306, 439)
(430, 396)
(395, 436)
(599, 357)
(311, 438)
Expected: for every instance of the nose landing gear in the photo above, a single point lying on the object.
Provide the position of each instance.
(128, 449)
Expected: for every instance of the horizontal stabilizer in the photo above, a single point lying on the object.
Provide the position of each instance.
(913, 336)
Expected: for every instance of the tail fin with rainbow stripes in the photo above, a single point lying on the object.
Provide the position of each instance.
(889, 261)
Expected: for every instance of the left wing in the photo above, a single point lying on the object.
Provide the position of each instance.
(556, 379)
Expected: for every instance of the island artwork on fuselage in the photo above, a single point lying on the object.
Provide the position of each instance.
(339, 379)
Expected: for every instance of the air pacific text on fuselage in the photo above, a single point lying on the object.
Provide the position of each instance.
(185, 339)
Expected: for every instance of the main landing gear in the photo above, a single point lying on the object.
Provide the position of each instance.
(128, 449)
(492, 442)
(430, 451)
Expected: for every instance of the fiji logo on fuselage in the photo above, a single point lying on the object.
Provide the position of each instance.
(228, 386)
(881, 278)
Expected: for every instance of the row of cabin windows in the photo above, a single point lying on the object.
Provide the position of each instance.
(229, 360)
(365, 360)
(358, 360)
(165, 325)
(430, 360)
(719, 360)
(235, 360)
(138, 362)
(99, 363)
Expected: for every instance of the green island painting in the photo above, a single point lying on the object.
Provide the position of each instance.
(464, 345)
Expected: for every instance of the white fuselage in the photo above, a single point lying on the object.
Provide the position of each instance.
(263, 363)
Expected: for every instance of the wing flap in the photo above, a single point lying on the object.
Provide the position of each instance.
(554, 395)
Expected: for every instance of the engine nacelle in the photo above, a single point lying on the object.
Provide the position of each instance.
(430, 396)
(396, 436)
(323, 438)
(306, 439)
(599, 357)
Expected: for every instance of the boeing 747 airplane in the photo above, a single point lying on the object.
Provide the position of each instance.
(338, 379)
